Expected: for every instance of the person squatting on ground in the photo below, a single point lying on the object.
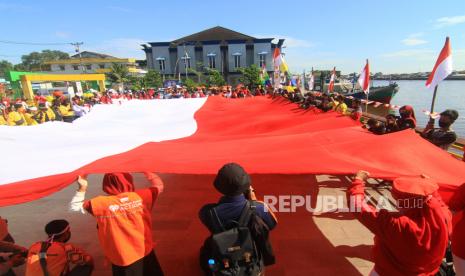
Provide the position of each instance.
(124, 221)
(11, 255)
(55, 256)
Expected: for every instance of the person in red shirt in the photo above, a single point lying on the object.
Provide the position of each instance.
(124, 222)
(411, 242)
(457, 205)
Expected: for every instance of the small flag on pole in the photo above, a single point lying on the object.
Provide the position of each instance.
(364, 78)
(331, 81)
(443, 66)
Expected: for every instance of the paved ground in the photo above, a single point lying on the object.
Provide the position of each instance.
(305, 243)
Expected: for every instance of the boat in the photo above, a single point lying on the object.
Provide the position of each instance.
(382, 94)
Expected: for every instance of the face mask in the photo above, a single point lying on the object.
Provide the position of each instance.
(444, 124)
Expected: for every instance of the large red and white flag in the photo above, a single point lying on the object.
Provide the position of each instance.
(364, 78)
(443, 66)
(331, 81)
(198, 136)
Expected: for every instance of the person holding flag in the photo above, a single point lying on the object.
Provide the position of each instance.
(443, 136)
(331, 81)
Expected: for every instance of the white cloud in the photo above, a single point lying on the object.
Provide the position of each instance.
(449, 21)
(414, 39)
(119, 47)
(289, 41)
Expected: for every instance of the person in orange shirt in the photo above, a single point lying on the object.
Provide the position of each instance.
(57, 257)
(124, 222)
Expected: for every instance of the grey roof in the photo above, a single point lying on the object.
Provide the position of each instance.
(88, 54)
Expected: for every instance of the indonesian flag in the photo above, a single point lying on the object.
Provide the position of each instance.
(277, 59)
(364, 78)
(332, 80)
(199, 135)
(443, 66)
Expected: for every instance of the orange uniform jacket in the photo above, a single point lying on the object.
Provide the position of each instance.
(124, 224)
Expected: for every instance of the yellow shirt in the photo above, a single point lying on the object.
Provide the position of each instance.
(51, 114)
(341, 108)
(3, 122)
(16, 119)
(29, 119)
(66, 111)
(333, 104)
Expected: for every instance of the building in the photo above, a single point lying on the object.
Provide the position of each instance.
(90, 62)
(216, 48)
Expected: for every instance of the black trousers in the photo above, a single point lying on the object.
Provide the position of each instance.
(147, 266)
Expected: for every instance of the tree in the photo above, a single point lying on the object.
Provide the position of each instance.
(215, 78)
(119, 74)
(190, 84)
(198, 72)
(152, 79)
(35, 60)
(250, 76)
(4, 67)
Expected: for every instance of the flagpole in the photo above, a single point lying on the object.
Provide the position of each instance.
(431, 120)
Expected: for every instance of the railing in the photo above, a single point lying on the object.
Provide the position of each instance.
(457, 149)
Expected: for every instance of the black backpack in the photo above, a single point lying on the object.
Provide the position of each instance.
(233, 251)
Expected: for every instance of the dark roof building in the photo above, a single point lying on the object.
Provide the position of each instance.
(217, 48)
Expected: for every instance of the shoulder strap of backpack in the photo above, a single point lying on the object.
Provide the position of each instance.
(43, 257)
(216, 219)
(245, 215)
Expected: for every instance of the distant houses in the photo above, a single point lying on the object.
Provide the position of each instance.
(91, 62)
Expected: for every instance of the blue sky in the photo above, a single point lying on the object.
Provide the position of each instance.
(396, 36)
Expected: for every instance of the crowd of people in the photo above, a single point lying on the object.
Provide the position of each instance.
(443, 136)
(61, 107)
(412, 241)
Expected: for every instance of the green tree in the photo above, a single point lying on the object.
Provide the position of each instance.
(250, 76)
(152, 79)
(215, 78)
(198, 71)
(4, 67)
(119, 74)
(190, 84)
(35, 60)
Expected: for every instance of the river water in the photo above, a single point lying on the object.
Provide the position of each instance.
(451, 95)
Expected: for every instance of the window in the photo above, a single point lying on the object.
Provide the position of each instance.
(211, 62)
(237, 61)
(161, 65)
(262, 60)
(89, 67)
(75, 67)
(101, 66)
(62, 68)
(187, 62)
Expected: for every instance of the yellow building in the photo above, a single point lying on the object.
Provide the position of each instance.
(90, 62)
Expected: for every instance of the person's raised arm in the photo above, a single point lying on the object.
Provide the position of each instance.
(77, 202)
(155, 181)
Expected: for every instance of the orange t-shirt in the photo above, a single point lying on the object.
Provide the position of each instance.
(124, 224)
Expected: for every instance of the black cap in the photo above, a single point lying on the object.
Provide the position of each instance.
(56, 227)
(232, 180)
(451, 113)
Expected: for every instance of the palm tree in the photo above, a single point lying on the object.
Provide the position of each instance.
(119, 74)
